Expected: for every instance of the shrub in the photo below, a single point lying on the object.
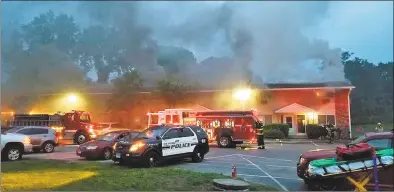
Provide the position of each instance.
(314, 131)
(282, 127)
(274, 134)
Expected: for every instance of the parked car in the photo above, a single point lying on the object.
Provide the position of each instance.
(379, 141)
(13, 146)
(101, 148)
(42, 138)
(112, 126)
(160, 143)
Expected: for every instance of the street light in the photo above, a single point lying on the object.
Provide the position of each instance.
(243, 95)
(72, 98)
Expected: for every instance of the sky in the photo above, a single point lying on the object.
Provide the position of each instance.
(362, 27)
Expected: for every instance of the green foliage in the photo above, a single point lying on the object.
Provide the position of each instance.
(274, 134)
(174, 58)
(372, 100)
(95, 176)
(272, 131)
(172, 91)
(314, 131)
(126, 87)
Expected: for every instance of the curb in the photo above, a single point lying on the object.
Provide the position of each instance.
(306, 142)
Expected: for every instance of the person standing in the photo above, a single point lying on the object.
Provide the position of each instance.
(379, 127)
(260, 136)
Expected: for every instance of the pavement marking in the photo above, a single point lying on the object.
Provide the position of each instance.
(281, 166)
(314, 144)
(288, 178)
(219, 156)
(265, 157)
(270, 176)
(226, 166)
(226, 161)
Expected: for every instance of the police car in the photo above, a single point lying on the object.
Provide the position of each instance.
(156, 144)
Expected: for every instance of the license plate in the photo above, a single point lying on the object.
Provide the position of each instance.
(117, 155)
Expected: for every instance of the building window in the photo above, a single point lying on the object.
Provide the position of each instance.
(267, 119)
(168, 119)
(175, 119)
(326, 119)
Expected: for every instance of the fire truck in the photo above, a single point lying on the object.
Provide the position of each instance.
(226, 128)
(74, 125)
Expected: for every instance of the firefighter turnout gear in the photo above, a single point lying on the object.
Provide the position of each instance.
(260, 138)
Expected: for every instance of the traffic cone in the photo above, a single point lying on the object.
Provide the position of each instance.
(234, 172)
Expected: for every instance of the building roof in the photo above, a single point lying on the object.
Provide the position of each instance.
(108, 88)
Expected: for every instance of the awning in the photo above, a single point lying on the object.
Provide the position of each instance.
(295, 108)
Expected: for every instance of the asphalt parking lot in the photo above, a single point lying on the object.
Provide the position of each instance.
(275, 166)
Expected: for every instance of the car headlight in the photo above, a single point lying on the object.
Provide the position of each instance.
(302, 160)
(91, 147)
(114, 146)
(136, 146)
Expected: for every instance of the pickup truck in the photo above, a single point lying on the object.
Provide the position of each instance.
(382, 140)
(13, 145)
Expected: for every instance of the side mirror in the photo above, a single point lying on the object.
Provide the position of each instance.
(158, 137)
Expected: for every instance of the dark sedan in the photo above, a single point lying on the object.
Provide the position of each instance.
(101, 148)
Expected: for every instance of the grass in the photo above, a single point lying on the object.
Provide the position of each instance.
(356, 131)
(44, 175)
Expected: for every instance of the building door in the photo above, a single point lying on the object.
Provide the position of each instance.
(289, 121)
(301, 123)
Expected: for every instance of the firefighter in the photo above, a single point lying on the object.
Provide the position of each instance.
(379, 127)
(260, 136)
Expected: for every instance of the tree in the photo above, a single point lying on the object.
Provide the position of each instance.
(173, 59)
(172, 91)
(38, 57)
(126, 88)
(371, 101)
(97, 48)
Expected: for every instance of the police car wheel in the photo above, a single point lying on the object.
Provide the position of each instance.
(198, 155)
(151, 159)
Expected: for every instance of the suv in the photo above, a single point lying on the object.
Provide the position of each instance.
(14, 145)
(42, 138)
(159, 143)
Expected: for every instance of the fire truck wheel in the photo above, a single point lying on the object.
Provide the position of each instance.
(80, 138)
(224, 141)
(198, 155)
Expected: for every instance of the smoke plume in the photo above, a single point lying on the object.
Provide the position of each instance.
(232, 41)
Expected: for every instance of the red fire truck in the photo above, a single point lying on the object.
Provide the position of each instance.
(227, 128)
(74, 125)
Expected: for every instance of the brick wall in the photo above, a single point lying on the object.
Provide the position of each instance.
(342, 111)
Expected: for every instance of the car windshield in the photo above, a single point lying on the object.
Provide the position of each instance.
(101, 125)
(108, 137)
(13, 130)
(150, 133)
(358, 140)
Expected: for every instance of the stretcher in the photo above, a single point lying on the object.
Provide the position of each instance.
(358, 173)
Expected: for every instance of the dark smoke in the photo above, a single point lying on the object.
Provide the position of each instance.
(232, 41)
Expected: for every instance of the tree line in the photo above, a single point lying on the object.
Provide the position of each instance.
(53, 53)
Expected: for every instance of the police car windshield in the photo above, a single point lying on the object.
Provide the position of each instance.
(151, 133)
(108, 137)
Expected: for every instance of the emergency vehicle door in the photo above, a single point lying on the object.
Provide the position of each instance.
(188, 140)
(169, 141)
